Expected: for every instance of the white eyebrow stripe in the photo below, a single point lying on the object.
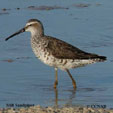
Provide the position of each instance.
(30, 23)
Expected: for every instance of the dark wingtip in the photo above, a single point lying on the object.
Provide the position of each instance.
(102, 58)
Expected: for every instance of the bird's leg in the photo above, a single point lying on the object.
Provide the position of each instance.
(56, 79)
(73, 81)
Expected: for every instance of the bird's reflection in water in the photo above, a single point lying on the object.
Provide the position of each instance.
(56, 97)
(68, 101)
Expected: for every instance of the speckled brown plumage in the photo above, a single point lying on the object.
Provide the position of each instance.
(55, 52)
(63, 50)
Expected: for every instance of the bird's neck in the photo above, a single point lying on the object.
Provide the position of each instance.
(36, 37)
(38, 33)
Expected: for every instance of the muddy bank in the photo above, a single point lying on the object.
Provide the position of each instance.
(39, 109)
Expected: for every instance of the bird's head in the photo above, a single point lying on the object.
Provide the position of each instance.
(33, 25)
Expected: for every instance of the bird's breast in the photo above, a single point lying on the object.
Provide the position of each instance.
(41, 52)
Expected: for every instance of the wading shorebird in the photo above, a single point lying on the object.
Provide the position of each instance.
(55, 52)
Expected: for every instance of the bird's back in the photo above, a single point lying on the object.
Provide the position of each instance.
(63, 50)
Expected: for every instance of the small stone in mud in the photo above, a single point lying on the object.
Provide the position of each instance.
(81, 5)
(18, 8)
(8, 60)
(46, 7)
(4, 9)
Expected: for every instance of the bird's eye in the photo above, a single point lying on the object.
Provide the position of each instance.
(30, 25)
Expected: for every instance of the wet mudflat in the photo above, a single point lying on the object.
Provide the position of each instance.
(25, 80)
(39, 109)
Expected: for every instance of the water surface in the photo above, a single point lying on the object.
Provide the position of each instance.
(85, 24)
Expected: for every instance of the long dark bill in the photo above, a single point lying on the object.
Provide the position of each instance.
(20, 31)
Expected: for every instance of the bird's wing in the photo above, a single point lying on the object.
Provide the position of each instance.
(63, 50)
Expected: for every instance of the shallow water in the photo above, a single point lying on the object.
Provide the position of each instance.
(85, 24)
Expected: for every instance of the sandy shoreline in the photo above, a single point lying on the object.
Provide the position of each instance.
(39, 109)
